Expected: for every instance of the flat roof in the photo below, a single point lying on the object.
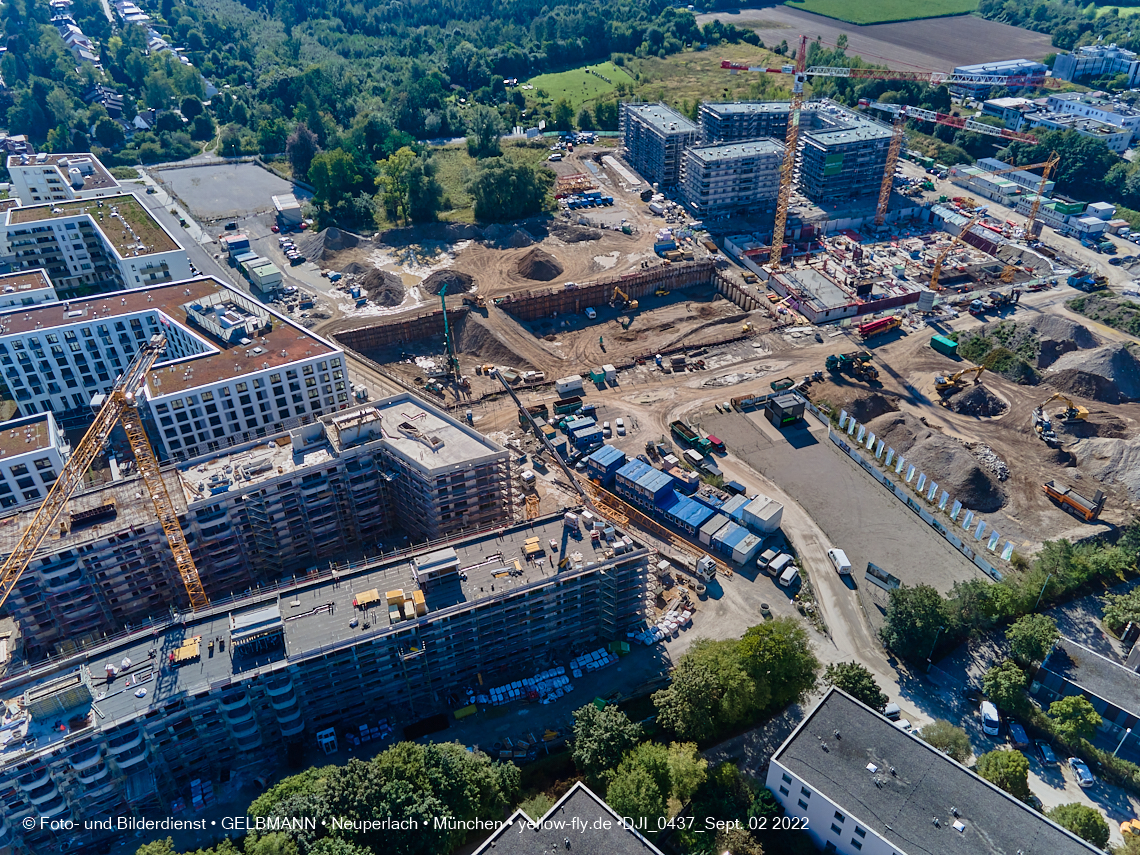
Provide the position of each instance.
(20, 436)
(736, 150)
(1095, 673)
(313, 614)
(894, 785)
(598, 831)
(814, 286)
(663, 118)
(1007, 65)
(728, 108)
(25, 281)
(606, 455)
(95, 176)
(284, 341)
(125, 222)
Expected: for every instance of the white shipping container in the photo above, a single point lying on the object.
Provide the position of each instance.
(571, 385)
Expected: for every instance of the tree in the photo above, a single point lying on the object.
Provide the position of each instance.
(1074, 718)
(1119, 609)
(109, 133)
(563, 116)
(425, 193)
(191, 107)
(635, 794)
(710, 690)
(602, 737)
(687, 770)
(915, 617)
(230, 140)
(334, 177)
(300, 149)
(1004, 684)
(158, 847)
(486, 127)
(858, 682)
(274, 843)
(950, 740)
(585, 120)
(272, 136)
(1084, 821)
(504, 189)
(1031, 638)
(1008, 770)
(737, 841)
(778, 653)
(202, 128)
(393, 180)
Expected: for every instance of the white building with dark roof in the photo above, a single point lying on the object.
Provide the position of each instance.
(862, 786)
(38, 178)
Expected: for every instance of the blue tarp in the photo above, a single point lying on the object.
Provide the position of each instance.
(709, 501)
(667, 500)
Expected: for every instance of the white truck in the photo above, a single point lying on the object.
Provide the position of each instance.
(705, 568)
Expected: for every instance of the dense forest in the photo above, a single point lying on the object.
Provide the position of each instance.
(1069, 23)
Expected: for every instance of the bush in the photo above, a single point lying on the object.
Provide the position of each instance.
(1083, 821)
(1008, 770)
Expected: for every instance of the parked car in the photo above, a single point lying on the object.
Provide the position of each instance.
(1045, 752)
(903, 724)
(606, 432)
(619, 425)
(1081, 771)
(231, 227)
(991, 720)
(1017, 736)
(892, 712)
(590, 313)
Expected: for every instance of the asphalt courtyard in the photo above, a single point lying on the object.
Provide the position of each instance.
(223, 190)
(857, 514)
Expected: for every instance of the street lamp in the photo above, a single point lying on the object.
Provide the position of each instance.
(935, 644)
(1127, 731)
(1042, 594)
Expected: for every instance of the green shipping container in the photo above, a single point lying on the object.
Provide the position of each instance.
(944, 345)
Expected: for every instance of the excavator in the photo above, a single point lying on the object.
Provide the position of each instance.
(624, 297)
(1073, 412)
(954, 382)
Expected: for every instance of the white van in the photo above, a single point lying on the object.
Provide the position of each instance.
(779, 564)
(790, 576)
(839, 561)
(991, 721)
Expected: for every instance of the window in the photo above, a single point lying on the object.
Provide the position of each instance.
(835, 829)
(207, 396)
(18, 470)
(43, 463)
(783, 791)
(802, 804)
(806, 792)
(274, 378)
(830, 847)
(856, 843)
(860, 832)
(838, 816)
(242, 387)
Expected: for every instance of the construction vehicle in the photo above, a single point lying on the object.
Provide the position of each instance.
(1043, 427)
(882, 325)
(1074, 502)
(1072, 413)
(119, 407)
(1085, 280)
(661, 292)
(952, 383)
(476, 299)
(452, 359)
(623, 297)
(690, 437)
(856, 364)
(801, 73)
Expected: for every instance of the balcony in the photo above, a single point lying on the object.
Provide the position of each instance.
(54, 809)
(245, 727)
(33, 779)
(132, 758)
(235, 717)
(124, 742)
(43, 796)
(293, 729)
(277, 689)
(86, 758)
(284, 702)
(291, 715)
(247, 741)
(236, 701)
(93, 775)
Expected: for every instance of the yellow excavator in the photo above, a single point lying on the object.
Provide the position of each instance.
(1073, 412)
(624, 297)
(953, 382)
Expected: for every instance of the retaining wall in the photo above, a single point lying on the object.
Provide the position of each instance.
(365, 339)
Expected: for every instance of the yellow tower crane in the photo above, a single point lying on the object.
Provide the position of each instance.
(957, 239)
(119, 407)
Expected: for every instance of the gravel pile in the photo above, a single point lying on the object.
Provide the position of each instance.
(1110, 374)
(455, 281)
(574, 233)
(1060, 336)
(991, 461)
(538, 265)
(1111, 461)
(315, 246)
(978, 401)
(383, 288)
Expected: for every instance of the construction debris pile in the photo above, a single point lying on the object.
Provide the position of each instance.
(991, 461)
(978, 401)
(1110, 374)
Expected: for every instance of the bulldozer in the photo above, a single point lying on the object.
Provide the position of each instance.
(948, 384)
(477, 300)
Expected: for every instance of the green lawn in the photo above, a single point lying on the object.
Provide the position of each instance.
(1123, 11)
(882, 11)
(455, 166)
(696, 76)
(578, 85)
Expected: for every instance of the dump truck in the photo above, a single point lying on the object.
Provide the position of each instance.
(690, 437)
(782, 384)
(882, 325)
(1084, 280)
(1074, 502)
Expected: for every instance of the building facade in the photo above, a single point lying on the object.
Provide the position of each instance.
(1097, 61)
(39, 178)
(26, 288)
(1091, 105)
(226, 685)
(723, 179)
(654, 139)
(32, 454)
(92, 245)
(1118, 139)
(859, 785)
(844, 157)
(743, 120)
(1022, 74)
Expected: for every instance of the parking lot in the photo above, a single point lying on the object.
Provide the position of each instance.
(856, 513)
(224, 190)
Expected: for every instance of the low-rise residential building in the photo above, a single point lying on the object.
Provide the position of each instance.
(1097, 106)
(1019, 74)
(38, 178)
(32, 455)
(92, 245)
(1089, 61)
(26, 288)
(1013, 112)
(1115, 137)
(859, 785)
(739, 176)
(654, 139)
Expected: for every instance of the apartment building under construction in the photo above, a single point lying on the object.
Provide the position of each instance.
(128, 726)
(360, 480)
(654, 138)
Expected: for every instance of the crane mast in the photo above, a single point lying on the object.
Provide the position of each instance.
(119, 406)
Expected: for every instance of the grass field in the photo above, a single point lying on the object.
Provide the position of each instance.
(697, 76)
(455, 167)
(1123, 11)
(578, 85)
(883, 11)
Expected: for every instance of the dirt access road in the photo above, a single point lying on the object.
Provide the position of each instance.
(937, 44)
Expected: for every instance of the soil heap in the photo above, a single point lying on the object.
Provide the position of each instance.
(574, 234)
(538, 265)
(1110, 374)
(943, 459)
(455, 281)
(866, 408)
(320, 245)
(382, 287)
(1059, 336)
(979, 401)
(1111, 461)
(474, 338)
(354, 268)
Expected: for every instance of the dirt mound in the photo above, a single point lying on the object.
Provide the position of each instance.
(382, 287)
(867, 408)
(1059, 336)
(540, 265)
(354, 268)
(1111, 461)
(943, 459)
(455, 281)
(474, 338)
(574, 233)
(1110, 374)
(317, 245)
(979, 401)
(518, 239)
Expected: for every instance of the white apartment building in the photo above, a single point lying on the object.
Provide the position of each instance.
(723, 179)
(40, 178)
(91, 245)
(863, 786)
(1097, 61)
(1097, 107)
(26, 288)
(233, 369)
(1117, 138)
(32, 454)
